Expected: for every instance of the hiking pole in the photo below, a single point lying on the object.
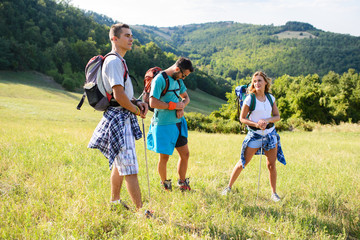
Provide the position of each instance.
(148, 213)
(261, 152)
(147, 168)
(139, 98)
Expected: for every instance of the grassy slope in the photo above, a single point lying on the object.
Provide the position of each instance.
(53, 187)
(203, 102)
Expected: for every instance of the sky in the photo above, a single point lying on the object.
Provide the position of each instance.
(339, 16)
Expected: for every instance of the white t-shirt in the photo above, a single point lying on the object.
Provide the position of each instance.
(262, 110)
(113, 74)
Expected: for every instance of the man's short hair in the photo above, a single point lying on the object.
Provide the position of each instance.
(116, 30)
(184, 64)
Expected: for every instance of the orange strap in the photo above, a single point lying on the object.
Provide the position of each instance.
(172, 106)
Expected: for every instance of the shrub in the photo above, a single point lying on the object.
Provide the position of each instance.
(56, 75)
(69, 83)
(202, 123)
(282, 125)
(300, 124)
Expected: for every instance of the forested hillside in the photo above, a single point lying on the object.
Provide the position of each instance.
(58, 39)
(234, 50)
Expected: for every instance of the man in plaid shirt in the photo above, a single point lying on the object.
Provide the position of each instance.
(116, 132)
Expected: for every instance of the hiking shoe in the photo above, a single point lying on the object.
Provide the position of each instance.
(275, 197)
(115, 205)
(167, 185)
(149, 213)
(184, 185)
(226, 191)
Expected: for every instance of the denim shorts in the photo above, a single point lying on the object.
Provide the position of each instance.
(257, 143)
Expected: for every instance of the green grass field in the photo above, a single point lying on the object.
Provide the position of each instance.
(53, 187)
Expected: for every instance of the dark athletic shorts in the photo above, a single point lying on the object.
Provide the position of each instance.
(181, 141)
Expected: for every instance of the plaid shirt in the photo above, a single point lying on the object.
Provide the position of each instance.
(109, 135)
(268, 143)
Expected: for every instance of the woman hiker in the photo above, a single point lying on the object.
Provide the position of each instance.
(261, 131)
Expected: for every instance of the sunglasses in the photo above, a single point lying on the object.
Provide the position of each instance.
(184, 76)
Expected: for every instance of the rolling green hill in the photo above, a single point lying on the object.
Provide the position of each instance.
(36, 86)
(234, 50)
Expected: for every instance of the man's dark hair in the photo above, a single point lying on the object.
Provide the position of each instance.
(184, 64)
(115, 30)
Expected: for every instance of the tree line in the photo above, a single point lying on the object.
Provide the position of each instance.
(302, 101)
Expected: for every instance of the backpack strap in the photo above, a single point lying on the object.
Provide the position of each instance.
(268, 95)
(126, 73)
(177, 95)
(81, 101)
(167, 83)
(110, 97)
(252, 104)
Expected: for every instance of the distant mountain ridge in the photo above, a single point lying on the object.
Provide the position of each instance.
(234, 50)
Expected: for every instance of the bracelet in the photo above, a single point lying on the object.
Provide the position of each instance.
(137, 111)
(172, 106)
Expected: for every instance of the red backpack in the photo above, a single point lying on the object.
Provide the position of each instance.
(149, 76)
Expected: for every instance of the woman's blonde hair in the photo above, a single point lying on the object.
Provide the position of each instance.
(266, 78)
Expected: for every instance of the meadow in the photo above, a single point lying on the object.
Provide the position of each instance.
(53, 187)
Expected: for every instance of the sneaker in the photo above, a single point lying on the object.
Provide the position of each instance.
(115, 205)
(226, 191)
(184, 185)
(275, 197)
(167, 185)
(149, 213)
